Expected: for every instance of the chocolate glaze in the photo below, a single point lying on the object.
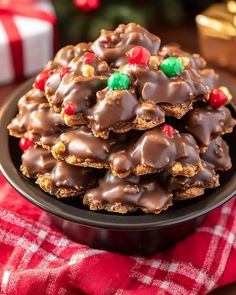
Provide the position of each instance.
(156, 151)
(206, 178)
(83, 145)
(150, 112)
(152, 152)
(51, 87)
(77, 66)
(65, 176)
(195, 60)
(217, 155)
(39, 162)
(154, 85)
(119, 110)
(67, 53)
(121, 40)
(76, 71)
(113, 108)
(44, 125)
(37, 120)
(207, 123)
(26, 105)
(134, 191)
(78, 90)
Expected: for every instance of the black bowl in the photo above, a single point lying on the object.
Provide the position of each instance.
(130, 234)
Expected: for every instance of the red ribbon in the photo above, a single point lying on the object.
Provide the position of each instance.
(11, 8)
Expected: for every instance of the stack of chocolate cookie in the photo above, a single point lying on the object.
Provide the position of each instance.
(125, 124)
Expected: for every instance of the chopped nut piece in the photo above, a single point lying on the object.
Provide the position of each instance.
(103, 67)
(88, 70)
(226, 92)
(59, 147)
(177, 168)
(185, 60)
(154, 62)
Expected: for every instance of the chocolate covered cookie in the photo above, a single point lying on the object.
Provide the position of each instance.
(217, 155)
(65, 55)
(56, 177)
(207, 123)
(112, 46)
(154, 151)
(158, 149)
(184, 188)
(36, 120)
(26, 105)
(120, 111)
(173, 79)
(128, 195)
(74, 96)
(79, 147)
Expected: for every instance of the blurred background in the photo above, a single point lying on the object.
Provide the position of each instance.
(83, 19)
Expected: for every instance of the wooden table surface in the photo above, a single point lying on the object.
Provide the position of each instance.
(188, 39)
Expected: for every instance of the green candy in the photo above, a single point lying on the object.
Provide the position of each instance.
(118, 81)
(172, 66)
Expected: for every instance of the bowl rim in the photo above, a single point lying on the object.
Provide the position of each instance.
(90, 218)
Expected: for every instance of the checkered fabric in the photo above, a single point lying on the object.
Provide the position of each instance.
(36, 258)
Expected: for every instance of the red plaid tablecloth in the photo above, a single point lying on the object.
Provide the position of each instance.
(36, 258)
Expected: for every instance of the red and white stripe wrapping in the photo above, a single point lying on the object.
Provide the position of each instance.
(27, 37)
(36, 258)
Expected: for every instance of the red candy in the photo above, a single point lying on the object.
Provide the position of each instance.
(25, 143)
(138, 55)
(169, 130)
(104, 41)
(69, 109)
(88, 58)
(41, 79)
(217, 98)
(87, 5)
(64, 70)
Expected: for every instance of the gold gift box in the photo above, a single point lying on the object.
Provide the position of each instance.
(217, 34)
